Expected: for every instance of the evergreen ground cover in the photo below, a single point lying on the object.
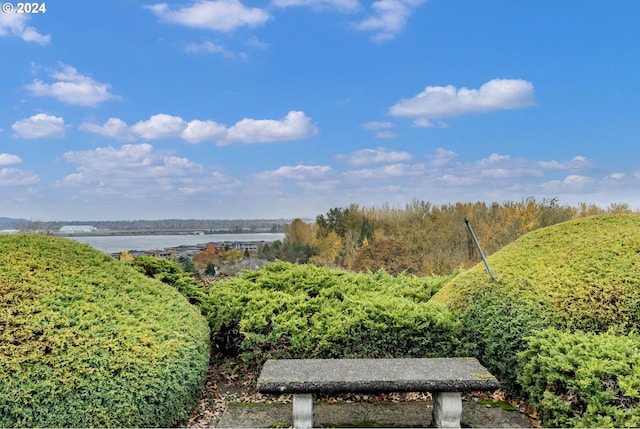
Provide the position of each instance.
(560, 326)
(286, 310)
(87, 341)
(579, 280)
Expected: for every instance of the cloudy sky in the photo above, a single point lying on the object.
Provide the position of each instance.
(286, 108)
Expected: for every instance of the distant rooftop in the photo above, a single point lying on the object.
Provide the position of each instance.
(77, 228)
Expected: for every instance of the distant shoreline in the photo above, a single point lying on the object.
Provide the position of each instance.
(145, 242)
(111, 232)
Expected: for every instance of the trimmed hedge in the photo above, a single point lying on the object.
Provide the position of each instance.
(87, 341)
(172, 274)
(578, 276)
(583, 379)
(302, 311)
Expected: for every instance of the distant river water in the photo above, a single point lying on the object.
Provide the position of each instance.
(118, 243)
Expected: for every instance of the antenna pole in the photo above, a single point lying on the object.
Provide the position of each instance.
(475, 240)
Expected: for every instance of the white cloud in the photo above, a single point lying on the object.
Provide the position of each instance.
(114, 128)
(455, 180)
(254, 42)
(617, 176)
(389, 18)
(376, 156)
(447, 101)
(426, 123)
(377, 125)
(385, 172)
(386, 135)
(199, 131)
(504, 166)
(8, 159)
(39, 126)
(493, 159)
(577, 180)
(442, 157)
(17, 177)
(297, 172)
(386, 20)
(160, 126)
(369, 178)
(577, 162)
(295, 126)
(344, 5)
(15, 24)
(218, 15)
(570, 183)
(208, 47)
(139, 170)
(383, 129)
(72, 87)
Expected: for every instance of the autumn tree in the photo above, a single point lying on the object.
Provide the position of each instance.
(353, 225)
(125, 256)
(232, 255)
(421, 236)
(299, 232)
(328, 250)
(388, 254)
(208, 256)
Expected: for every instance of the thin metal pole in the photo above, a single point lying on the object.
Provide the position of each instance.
(475, 240)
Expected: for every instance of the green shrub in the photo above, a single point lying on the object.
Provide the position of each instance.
(87, 341)
(171, 273)
(303, 311)
(583, 379)
(579, 275)
(496, 325)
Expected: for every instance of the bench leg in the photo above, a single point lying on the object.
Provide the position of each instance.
(303, 410)
(447, 409)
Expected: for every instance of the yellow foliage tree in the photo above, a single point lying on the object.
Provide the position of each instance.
(300, 232)
(329, 248)
(125, 256)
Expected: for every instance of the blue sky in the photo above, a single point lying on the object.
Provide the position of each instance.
(287, 108)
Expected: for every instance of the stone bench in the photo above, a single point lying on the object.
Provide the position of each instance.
(446, 378)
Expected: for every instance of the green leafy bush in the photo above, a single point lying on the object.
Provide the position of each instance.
(496, 326)
(303, 311)
(87, 341)
(171, 273)
(579, 275)
(583, 379)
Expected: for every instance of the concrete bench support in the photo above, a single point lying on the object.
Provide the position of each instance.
(303, 410)
(447, 409)
(445, 377)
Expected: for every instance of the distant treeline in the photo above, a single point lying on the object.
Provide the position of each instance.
(421, 238)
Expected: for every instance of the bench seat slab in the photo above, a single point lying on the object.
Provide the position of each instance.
(375, 375)
(445, 377)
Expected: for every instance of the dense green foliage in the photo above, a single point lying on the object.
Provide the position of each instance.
(302, 311)
(173, 274)
(583, 379)
(582, 275)
(87, 341)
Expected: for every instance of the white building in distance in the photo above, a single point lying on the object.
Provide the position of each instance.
(74, 229)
